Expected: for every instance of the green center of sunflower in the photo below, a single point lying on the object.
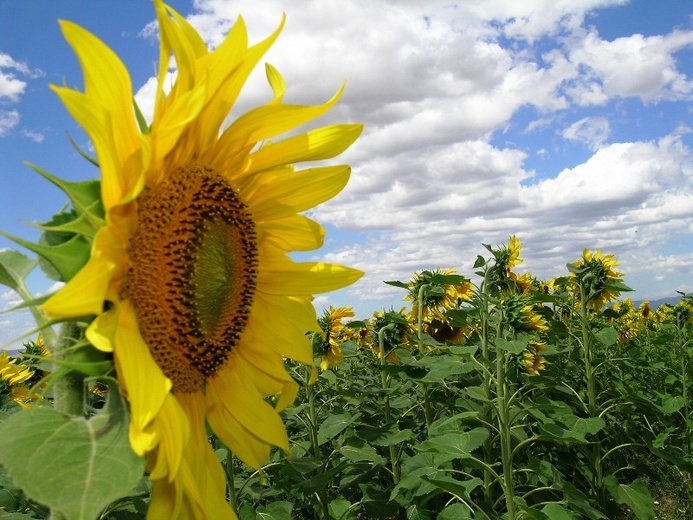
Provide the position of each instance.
(192, 275)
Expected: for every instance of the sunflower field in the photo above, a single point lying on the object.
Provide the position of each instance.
(496, 396)
(180, 370)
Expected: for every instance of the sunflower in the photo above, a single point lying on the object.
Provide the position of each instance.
(595, 272)
(189, 281)
(532, 362)
(438, 293)
(330, 351)
(15, 381)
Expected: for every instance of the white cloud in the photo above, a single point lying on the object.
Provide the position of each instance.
(37, 137)
(8, 120)
(434, 82)
(590, 131)
(634, 66)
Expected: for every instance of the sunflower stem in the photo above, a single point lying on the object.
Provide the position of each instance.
(427, 401)
(385, 384)
(315, 444)
(233, 499)
(68, 390)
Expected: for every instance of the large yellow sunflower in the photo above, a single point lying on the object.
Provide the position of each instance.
(188, 280)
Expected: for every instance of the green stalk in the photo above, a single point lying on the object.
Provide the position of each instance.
(68, 390)
(592, 410)
(485, 412)
(385, 384)
(313, 431)
(231, 486)
(428, 415)
(505, 436)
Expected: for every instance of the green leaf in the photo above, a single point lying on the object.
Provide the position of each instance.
(456, 445)
(672, 403)
(450, 424)
(64, 260)
(458, 488)
(557, 512)
(455, 511)
(361, 454)
(333, 426)
(583, 426)
(515, 346)
(340, 509)
(635, 495)
(14, 267)
(607, 336)
(90, 460)
(275, 511)
(396, 283)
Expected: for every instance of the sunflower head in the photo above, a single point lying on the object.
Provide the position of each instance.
(328, 347)
(523, 315)
(595, 276)
(438, 291)
(531, 362)
(397, 329)
(505, 259)
(184, 267)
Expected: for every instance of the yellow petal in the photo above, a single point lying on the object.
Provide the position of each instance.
(276, 195)
(145, 384)
(293, 233)
(107, 83)
(172, 426)
(316, 145)
(85, 293)
(294, 278)
(234, 386)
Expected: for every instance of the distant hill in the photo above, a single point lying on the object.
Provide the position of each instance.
(672, 300)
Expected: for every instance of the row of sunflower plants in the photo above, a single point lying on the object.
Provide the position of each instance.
(506, 398)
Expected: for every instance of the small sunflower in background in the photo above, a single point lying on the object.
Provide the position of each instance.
(523, 315)
(187, 277)
(532, 362)
(595, 272)
(15, 381)
(329, 348)
(441, 290)
(397, 333)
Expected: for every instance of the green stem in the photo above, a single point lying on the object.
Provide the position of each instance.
(68, 390)
(230, 481)
(385, 384)
(428, 415)
(313, 422)
(505, 437)
(592, 410)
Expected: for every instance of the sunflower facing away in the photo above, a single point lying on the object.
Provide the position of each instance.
(330, 350)
(188, 279)
(601, 282)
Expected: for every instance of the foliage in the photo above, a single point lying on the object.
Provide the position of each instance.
(507, 398)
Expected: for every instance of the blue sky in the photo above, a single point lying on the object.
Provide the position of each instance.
(567, 123)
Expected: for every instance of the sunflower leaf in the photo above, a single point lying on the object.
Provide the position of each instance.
(14, 266)
(92, 463)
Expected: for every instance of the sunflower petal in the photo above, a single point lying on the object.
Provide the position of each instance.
(279, 277)
(145, 384)
(315, 145)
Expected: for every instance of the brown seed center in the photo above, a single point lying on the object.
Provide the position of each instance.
(192, 275)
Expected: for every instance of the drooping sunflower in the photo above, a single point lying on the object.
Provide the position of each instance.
(188, 280)
(595, 273)
(332, 327)
(15, 381)
(439, 294)
(532, 362)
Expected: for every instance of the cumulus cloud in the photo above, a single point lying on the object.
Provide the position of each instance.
(12, 89)
(590, 131)
(436, 84)
(634, 66)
